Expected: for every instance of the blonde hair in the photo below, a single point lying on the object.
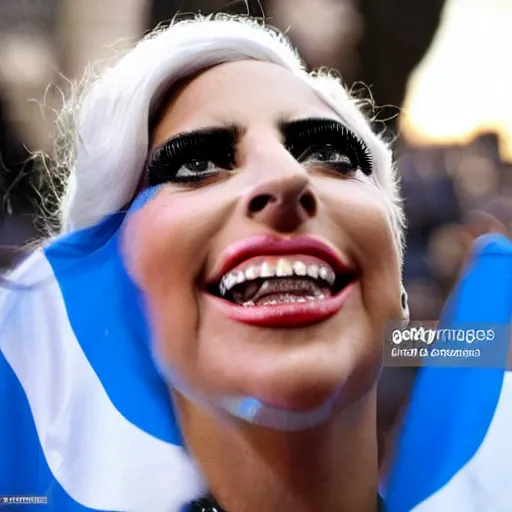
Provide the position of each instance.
(104, 135)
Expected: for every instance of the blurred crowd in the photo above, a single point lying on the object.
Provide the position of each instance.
(452, 194)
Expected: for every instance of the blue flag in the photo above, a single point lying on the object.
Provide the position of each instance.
(455, 449)
(86, 419)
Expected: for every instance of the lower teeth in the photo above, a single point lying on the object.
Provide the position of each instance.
(287, 300)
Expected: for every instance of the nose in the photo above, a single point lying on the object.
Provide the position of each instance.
(283, 202)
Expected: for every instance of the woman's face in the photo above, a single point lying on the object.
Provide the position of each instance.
(261, 207)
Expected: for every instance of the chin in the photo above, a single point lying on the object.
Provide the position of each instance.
(336, 361)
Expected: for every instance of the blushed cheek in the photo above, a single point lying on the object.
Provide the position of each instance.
(364, 217)
(140, 245)
(379, 253)
(370, 228)
(162, 266)
(382, 269)
(155, 238)
(378, 244)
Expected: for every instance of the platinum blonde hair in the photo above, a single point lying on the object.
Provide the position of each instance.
(105, 130)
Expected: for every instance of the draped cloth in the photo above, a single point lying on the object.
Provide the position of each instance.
(86, 418)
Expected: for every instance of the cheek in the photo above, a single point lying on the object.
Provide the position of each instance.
(166, 241)
(154, 244)
(159, 253)
(162, 252)
(165, 245)
(363, 215)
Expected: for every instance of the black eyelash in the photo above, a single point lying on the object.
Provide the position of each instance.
(216, 145)
(302, 135)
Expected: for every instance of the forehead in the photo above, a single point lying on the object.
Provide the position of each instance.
(244, 93)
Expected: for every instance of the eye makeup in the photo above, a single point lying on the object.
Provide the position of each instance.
(192, 157)
(181, 159)
(303, 136)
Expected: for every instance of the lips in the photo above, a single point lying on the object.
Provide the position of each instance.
(263, 245)
(280, 282)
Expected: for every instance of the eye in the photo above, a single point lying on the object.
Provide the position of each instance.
(329, 155)
(326, 153)
(191, 158)
(195, 168)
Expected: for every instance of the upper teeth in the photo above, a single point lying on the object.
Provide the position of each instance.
(280, 268)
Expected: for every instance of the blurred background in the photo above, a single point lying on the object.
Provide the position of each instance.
(440, 72)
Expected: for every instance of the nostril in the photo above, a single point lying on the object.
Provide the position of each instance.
(258, 203)
(308, 202)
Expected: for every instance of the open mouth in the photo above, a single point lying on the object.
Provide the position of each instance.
(286, 282)
(283, 279)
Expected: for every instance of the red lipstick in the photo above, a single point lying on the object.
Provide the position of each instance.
(265, 245)
(283, 314)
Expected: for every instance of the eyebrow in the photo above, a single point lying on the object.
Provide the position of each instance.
(291, 129)
(236, 131)
(285, 124)
(230, 134)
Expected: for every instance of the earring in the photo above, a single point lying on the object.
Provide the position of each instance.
(405, 307)
(403, 300)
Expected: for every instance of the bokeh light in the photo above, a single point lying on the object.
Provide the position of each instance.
(462, 86)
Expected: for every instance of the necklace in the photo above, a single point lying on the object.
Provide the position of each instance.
(208, 504)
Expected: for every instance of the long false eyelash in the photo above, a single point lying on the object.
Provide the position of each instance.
(302, 134)
(216, 145)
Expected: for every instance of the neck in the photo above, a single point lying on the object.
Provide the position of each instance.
(332, 467)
